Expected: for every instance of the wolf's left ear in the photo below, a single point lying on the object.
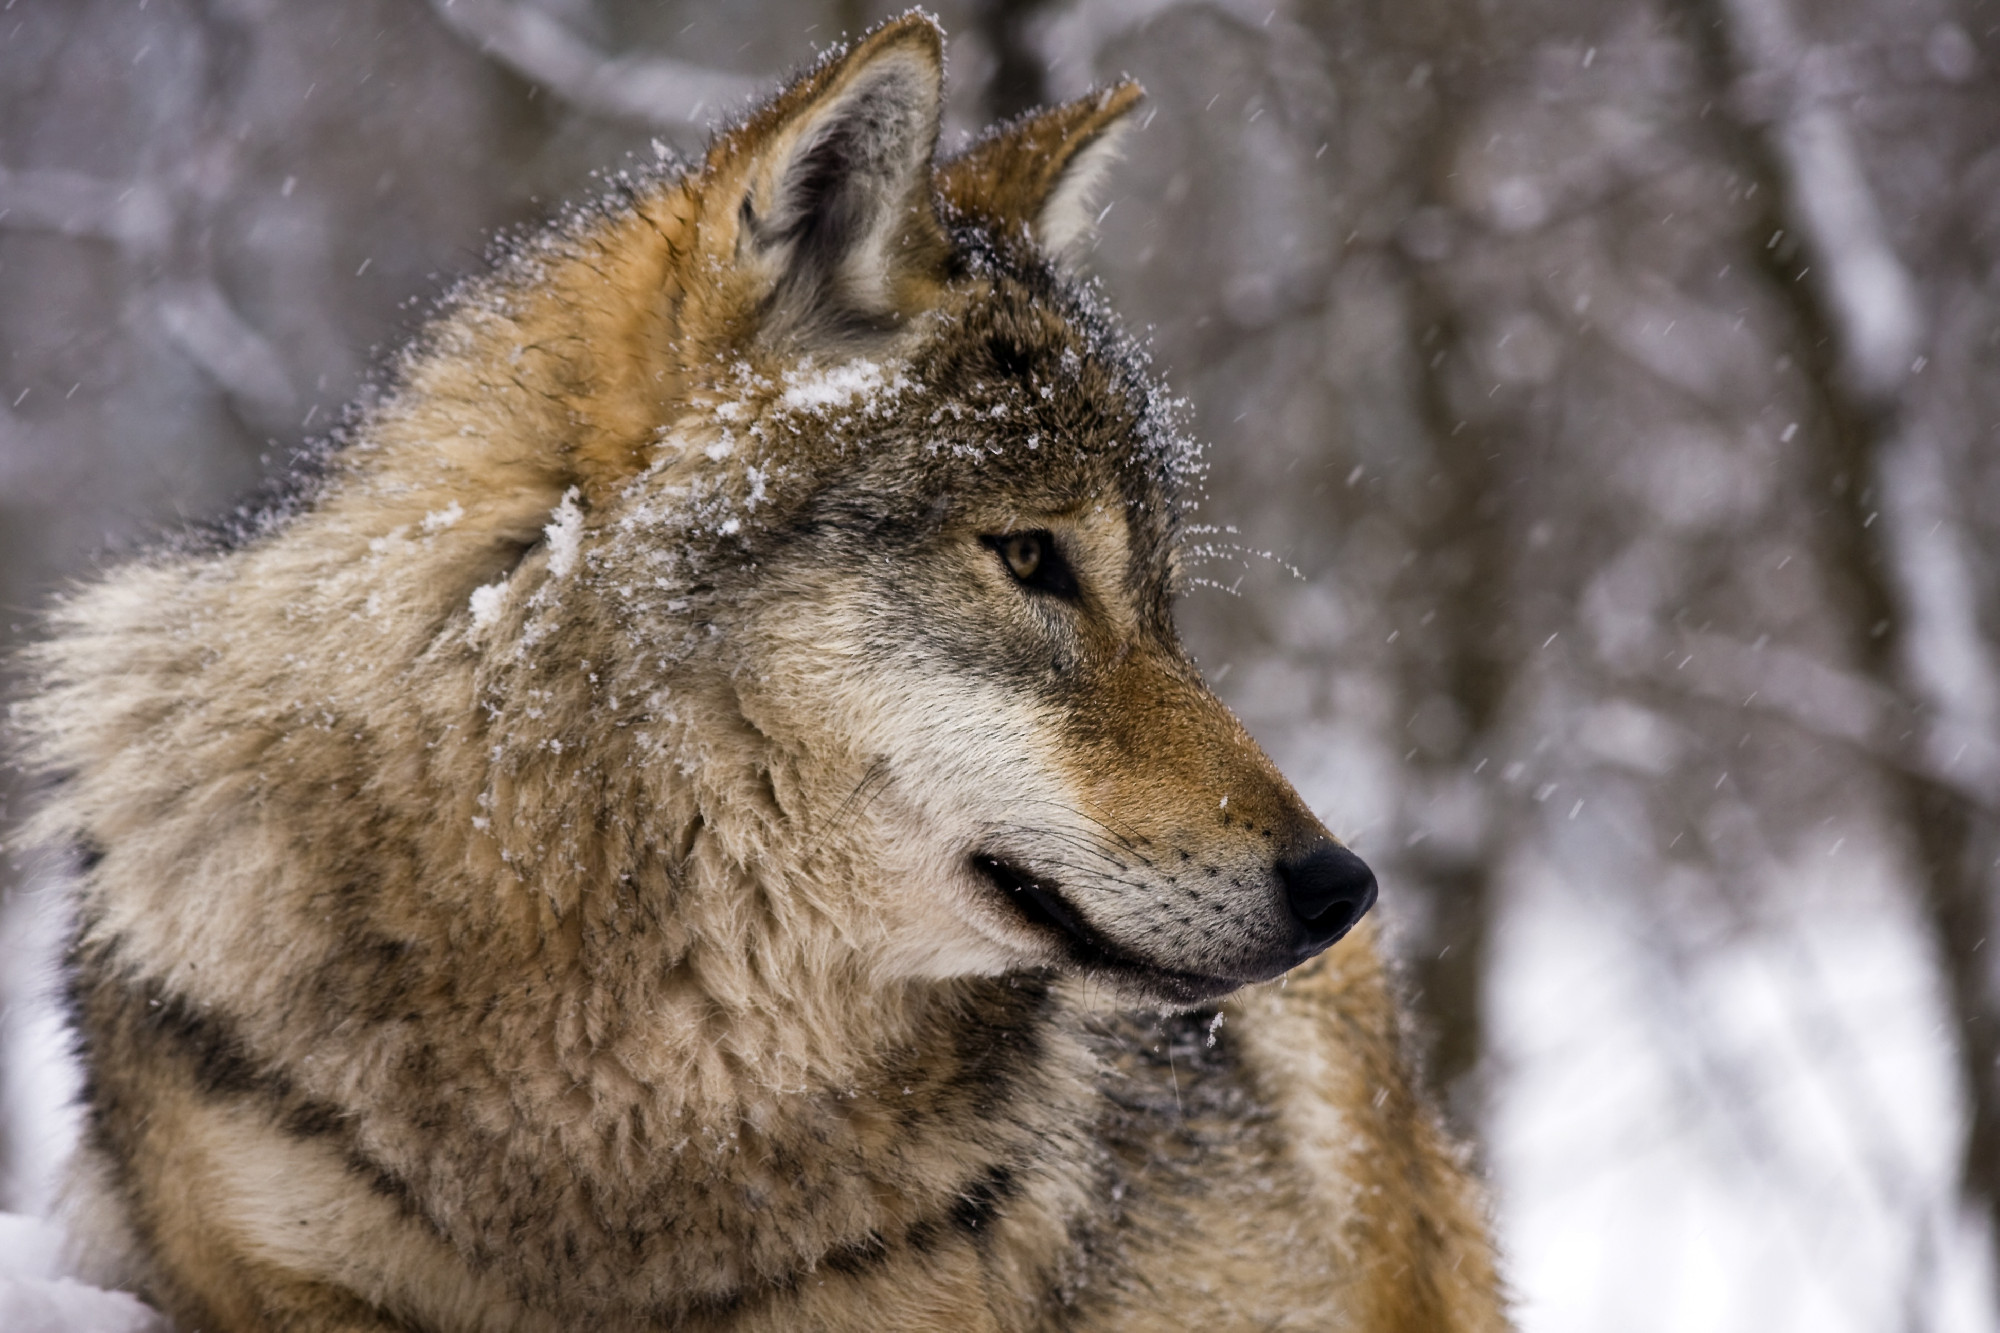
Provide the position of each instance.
(836, 203)
(1036, 178)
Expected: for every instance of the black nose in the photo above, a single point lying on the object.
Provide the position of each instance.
(1328, 889)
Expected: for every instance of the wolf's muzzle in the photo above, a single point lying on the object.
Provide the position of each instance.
(1328, 889)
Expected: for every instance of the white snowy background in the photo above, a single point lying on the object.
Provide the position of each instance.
(1612, 383)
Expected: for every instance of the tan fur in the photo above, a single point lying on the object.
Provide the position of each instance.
(538, 884)
(1035, 177)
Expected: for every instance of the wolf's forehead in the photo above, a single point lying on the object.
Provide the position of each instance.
(1016, 397)
(1035, 333)
(1028, 384)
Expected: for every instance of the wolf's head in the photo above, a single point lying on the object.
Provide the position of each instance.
(875, 517)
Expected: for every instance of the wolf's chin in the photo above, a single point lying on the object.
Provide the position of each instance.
(1041, 904)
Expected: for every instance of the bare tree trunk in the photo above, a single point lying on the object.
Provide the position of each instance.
(12, 914)
(1895, 536)
(1020, 74)
(1467, 579)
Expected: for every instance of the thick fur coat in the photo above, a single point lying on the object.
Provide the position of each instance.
(699, 819)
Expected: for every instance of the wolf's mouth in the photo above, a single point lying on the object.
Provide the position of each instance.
(1041, 905)
(1034, 900)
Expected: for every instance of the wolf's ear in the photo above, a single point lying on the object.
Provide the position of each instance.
(1036, 177)
(835, 210)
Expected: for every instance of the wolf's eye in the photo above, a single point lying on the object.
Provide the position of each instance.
(1032, 558)
(1023, 553)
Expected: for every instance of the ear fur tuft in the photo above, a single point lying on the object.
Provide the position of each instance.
(1036, 178)
(836, 207)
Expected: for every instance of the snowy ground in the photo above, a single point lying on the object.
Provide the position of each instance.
(38, 1082)
(36, 1295)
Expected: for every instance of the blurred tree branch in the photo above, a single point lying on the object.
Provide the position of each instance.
(652, 90)
(192, 310)
(135, 217)
(1824, 701)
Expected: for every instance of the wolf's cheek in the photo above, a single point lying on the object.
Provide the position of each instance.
(913, 766)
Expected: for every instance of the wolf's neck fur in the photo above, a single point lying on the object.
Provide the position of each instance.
(955, 1116)
(736, 1096)
(750, 1122)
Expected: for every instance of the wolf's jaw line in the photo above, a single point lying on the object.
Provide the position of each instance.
(1042, 906)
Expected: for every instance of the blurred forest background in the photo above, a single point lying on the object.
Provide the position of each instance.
(1616, 383)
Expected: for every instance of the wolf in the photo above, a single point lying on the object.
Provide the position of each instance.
(698, 818)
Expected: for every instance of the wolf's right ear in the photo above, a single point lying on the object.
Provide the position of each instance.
(835, 211)
(1035, 179)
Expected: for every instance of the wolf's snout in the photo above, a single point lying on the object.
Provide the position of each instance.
(1328, 890)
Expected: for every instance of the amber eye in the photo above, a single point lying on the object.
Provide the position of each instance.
(1023, 554)
(1035, 562)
